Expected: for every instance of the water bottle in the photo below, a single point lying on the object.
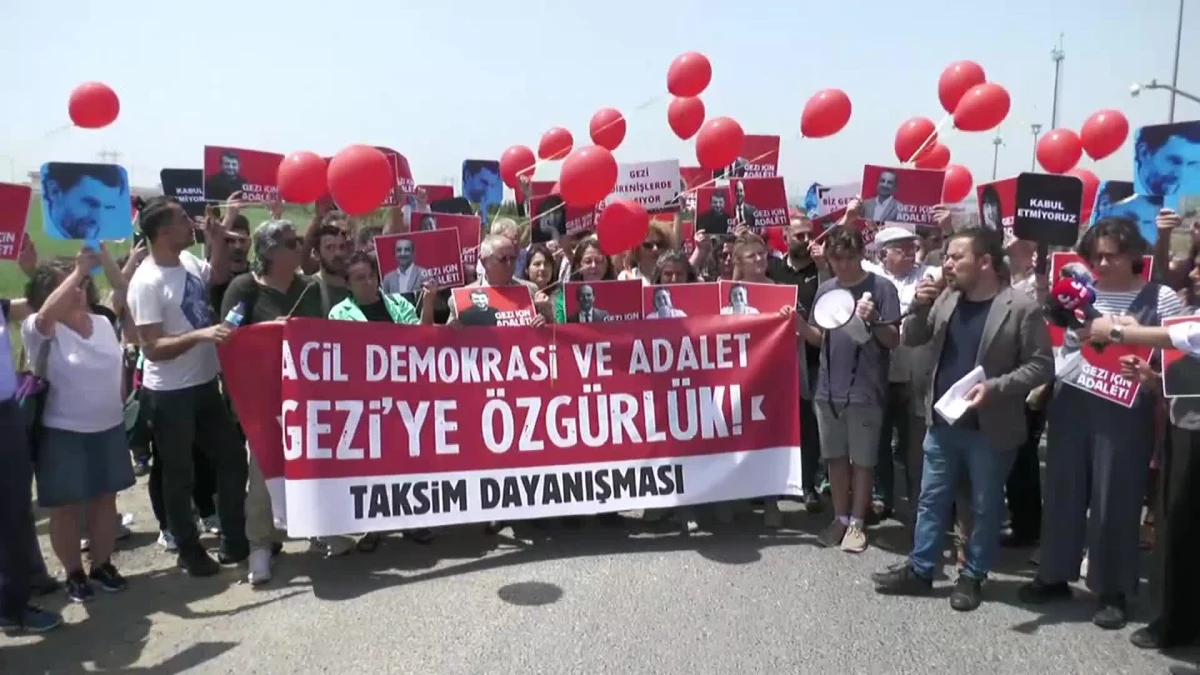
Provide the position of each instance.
(236, 315)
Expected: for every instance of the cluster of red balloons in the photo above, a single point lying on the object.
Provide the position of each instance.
(93, 105)
(359, 178)
(1102, 134)
(687, 77)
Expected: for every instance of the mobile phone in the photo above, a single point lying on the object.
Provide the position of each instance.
(138, 238)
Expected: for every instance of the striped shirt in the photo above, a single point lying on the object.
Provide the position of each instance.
(1118, 302)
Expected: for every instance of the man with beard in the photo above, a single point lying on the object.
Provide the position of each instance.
(801, 270)
(81, 199)
(979, 321)
(407, 276)
(883, 206)
(716, 220)
(333, 251)
(219, 186)
(1166, 159)
(237, 244)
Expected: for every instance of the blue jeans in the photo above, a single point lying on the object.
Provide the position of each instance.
(947, 449)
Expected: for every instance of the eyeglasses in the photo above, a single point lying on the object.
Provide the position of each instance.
(651, 245)
(504, 259)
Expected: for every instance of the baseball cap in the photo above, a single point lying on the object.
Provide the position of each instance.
(893, 234)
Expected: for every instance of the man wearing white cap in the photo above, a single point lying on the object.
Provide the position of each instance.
(898, 248)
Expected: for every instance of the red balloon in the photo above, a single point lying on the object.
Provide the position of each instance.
(588, 175)
(1091, 183)
(607, 128)
(301, 178)
(825, 114)
(911, 135)
(718, 143)
(936, 156)
(982, 108)
(622, 225)
(685, 115)
(689, 74)
(1104, 133)
(93, 105)
(1059, 151)
(515, 162)
(555, 144)
(956, 79)
(360, 178)
(958, 184)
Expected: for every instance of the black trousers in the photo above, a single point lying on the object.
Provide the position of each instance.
(1177, 538)
(16, 512)
(810, 446)
(897, 419)
(203, 496)
(1024, 488)
(183, 420)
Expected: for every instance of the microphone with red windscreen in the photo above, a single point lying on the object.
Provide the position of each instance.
(1071, 304)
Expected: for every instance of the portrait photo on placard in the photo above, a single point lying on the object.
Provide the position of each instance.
(676, 301)
(739, 298)
(759, 203)
(481, 182)
(758, 158)
(14, 213)
(714, 210)
(1142, 210)
(997, 202)
(1109, 194)
(494, 305)
(230, 170)
(407, 261)
(1048, 208)
(187, 187)
(602, 301)
(89, 202)
(900, 195)
(549, 221)
(1166, 161)
(1181, 373)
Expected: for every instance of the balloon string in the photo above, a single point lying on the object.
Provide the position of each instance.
(932, 136)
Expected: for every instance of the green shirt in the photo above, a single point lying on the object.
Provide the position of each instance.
(398, 308)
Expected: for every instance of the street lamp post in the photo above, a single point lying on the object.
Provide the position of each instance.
(1037, 129)
(1155, 84)
(996, 142)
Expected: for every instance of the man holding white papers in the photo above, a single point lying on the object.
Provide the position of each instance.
(971, 319)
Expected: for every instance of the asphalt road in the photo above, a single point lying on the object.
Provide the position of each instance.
(595, 599)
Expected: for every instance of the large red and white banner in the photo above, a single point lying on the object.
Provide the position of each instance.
(362, 427)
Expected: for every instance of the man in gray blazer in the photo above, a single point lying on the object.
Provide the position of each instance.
(976, 321)
(883, 206)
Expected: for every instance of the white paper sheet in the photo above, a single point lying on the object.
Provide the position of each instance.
(953, 404)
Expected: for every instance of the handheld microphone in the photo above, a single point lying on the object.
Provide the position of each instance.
(1071, 304)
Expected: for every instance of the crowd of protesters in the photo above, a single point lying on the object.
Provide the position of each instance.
(138, 371)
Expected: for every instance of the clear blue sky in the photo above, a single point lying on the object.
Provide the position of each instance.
(445, 81)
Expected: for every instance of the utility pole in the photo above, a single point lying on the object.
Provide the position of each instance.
(1056, 55)
(1037, 129)
(997, 142)
(1175, 72)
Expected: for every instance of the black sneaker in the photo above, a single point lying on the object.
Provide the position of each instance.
(276, 548)
(833, 535)
(1112, 612)
(1149, 636)
(967, 595)
(1038, 592)
(31, 620)
(901, 580)
(44, 585)
(195, 561)
(78, 588)
(108, 577)
(232, 554)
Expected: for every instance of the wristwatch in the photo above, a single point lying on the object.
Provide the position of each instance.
(1116, 334)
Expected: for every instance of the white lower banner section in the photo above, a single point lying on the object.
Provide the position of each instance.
(328, 506)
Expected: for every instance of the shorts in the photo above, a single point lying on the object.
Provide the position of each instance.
(850, 431)
(75, 467)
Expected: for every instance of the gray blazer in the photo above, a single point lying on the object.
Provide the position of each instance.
(1015, 355)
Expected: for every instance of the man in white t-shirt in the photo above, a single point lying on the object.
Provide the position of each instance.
(168, 300)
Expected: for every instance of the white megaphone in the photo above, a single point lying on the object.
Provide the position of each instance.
(836, 311)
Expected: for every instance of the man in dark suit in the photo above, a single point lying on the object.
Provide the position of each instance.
(883, 206)
(743, 213)
(480, 313)
(219, 186)
(588, 313)
(716, 220)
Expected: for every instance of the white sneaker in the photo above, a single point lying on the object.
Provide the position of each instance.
(167, 541)
(855, 540)
(260, 567)
(211, 525)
